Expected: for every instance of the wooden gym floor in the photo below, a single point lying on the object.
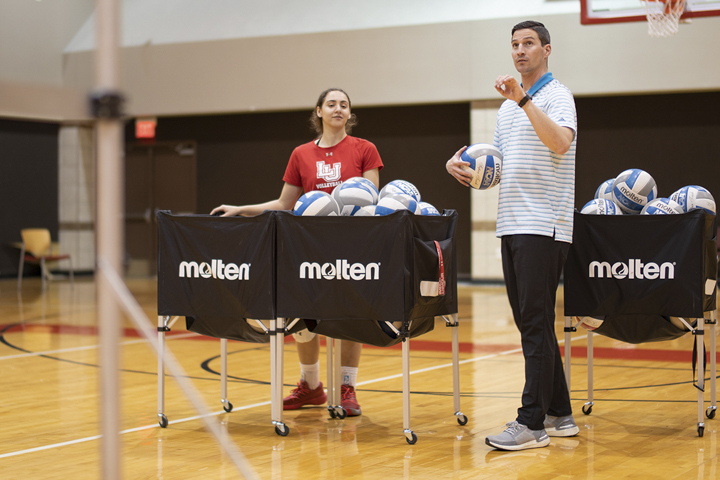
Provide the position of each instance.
(643, 423)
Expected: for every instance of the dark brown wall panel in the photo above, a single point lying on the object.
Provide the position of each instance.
(28, 184)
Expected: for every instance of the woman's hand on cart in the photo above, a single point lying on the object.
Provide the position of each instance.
(226, 211)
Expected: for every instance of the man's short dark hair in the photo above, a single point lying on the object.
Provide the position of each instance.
(538, 27)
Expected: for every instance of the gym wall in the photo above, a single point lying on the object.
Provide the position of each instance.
(28, 184)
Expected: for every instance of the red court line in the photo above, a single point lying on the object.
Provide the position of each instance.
(579, 352)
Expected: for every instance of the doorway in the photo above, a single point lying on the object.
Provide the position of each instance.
(158, 176)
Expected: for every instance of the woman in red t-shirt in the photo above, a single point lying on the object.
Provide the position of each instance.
(322, 164)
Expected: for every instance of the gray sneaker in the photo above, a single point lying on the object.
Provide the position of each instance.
(518, 437)
(561, 426)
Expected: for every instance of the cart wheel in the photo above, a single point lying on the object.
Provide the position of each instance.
(341, 413)
(283, 432)
(710, 412)
(462, 420)
(414, 439)
(701, 431)
(163, 420)
(228, 408)
(588, 410)
(332, 413)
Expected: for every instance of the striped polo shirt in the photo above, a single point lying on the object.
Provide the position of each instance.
(537, 186)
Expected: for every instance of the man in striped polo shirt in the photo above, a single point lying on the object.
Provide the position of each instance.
(535, 132)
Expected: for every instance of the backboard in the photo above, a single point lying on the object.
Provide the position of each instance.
(617, 11)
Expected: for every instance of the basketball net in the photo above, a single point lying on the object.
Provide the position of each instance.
(663, 16)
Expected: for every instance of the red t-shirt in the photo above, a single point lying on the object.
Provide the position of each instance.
(317, 168)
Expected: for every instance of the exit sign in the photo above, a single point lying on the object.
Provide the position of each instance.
(145, 127)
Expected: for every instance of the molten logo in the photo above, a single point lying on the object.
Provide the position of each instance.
(630, 194)
(635, 268)
(340, 270)
(327, 173)
(215, 269)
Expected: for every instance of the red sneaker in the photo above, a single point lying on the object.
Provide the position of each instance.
(302, 395)
(349, 402)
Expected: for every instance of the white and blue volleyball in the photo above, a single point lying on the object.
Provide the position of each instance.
(662, 206)
(353, 194)
(633, 189)
(399, 201)
(605, 190)
(485, 165)
(367, 211)
(589, 323)
(369, 184)
(695, 197)
(427, 209)
(400, 186)
(316, 204)
(601, 206)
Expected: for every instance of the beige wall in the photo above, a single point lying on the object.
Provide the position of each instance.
(486, 262)
(33, 36)
(400, 65)
(440, 62)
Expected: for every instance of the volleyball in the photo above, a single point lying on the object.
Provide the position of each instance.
(400, 186)
(336, 196)
(662, 206)
(399, 201)
(485, 164)
(316, 204)
(682, 323)
(605, 189)
(259, 326)
(366, 211)
(589, 323)
(601, 206)
(369, 184)
(427, 209)
(633, 189)
(353, 194)
(694, 197)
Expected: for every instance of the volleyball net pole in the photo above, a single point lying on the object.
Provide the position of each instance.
(106, 108)
(112, 293)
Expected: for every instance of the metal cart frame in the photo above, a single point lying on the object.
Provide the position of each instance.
(699, 332)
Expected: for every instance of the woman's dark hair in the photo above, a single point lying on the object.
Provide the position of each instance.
(538, 27)
(316, 122)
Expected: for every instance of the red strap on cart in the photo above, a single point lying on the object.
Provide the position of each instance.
(441, 283)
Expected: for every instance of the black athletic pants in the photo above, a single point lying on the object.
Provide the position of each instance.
(532, 265)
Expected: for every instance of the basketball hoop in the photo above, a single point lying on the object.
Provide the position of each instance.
(663, 16)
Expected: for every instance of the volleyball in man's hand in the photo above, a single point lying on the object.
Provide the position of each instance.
(400, 186)
(600, 206)
(427, 209)
(316, 204)
(662, 206)
(693, 197)
(605, 190)
(633, 189)
(485, 165)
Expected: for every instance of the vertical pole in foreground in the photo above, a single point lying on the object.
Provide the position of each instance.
(106, 108)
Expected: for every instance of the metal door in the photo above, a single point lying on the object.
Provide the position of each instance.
(160, 176)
